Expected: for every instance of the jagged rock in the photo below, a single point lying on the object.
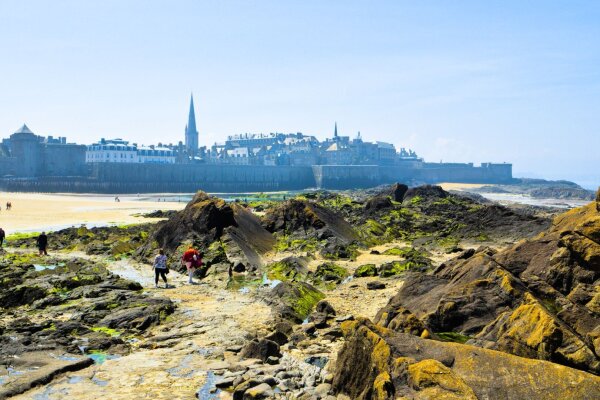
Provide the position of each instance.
(205, 221)
(376, 362)
(261, 349)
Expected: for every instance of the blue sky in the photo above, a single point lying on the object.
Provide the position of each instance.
(515, 81)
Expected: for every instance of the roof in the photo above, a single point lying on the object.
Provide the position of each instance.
(24, 129)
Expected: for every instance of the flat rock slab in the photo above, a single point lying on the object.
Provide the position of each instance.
(40, 368)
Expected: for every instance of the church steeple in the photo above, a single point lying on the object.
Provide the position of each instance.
(191, 134)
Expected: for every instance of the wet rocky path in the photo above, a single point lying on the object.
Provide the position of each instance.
(175, 359)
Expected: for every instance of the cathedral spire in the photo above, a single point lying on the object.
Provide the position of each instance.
(191, 134)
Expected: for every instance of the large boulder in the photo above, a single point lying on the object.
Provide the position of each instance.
(377, 363)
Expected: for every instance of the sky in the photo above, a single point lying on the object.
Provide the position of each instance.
(460, 81)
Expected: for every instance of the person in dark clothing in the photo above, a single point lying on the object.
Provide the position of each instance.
(2, 236)
(42, 244)
(160, 268)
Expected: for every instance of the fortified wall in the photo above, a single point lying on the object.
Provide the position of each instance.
(187, 178)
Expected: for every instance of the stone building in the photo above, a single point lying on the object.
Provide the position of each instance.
(27, 155)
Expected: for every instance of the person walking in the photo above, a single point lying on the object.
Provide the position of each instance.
(2, 236)
(191, 259)
(42, 244)
(160, 268)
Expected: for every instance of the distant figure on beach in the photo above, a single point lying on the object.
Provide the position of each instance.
(8, 205)
(192, 260)
(2, 236)
(160, 268)
(42, 244)
(117, 199)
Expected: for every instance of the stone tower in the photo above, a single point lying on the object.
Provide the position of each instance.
(191, 134)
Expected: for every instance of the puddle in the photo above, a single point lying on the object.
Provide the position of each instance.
(51, 267)
(66, 357)
(208, 390)
(127, 271)
(75, 379)
(205, 352)
(242, 283)
(100, 357)
(99, 382)
(348, 279)
(51, 391)
(39, 267)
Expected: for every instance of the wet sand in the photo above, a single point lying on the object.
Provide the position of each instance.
(34, 212)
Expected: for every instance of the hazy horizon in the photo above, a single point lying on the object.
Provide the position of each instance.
(463, 82)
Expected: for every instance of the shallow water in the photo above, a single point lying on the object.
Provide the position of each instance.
(505, 198)
(101, 357)
(204, 393)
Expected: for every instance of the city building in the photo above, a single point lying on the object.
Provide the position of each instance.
(121, 151)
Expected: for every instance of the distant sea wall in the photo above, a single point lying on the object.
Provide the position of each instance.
(364, 176)
(186, 178)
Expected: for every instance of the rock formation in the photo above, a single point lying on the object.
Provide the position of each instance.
(225, 232)
(537, 299)
(378, 363)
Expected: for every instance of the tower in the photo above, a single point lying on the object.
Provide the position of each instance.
(335, 135)
(191, 134)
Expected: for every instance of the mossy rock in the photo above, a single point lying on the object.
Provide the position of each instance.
(366, 270)
(297, 299)
(453, 337)
(288, 269)
(397, 251)
(392, 269)
(330, 272)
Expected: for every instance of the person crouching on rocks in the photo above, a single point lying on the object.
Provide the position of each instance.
(191, 259)
(160, 268)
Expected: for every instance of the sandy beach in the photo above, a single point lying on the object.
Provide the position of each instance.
(34, 212)
(461, 186)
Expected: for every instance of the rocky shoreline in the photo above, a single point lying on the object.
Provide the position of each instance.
(394, 293)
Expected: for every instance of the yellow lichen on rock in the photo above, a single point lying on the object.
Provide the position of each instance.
(383, 386)
(434, 380)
